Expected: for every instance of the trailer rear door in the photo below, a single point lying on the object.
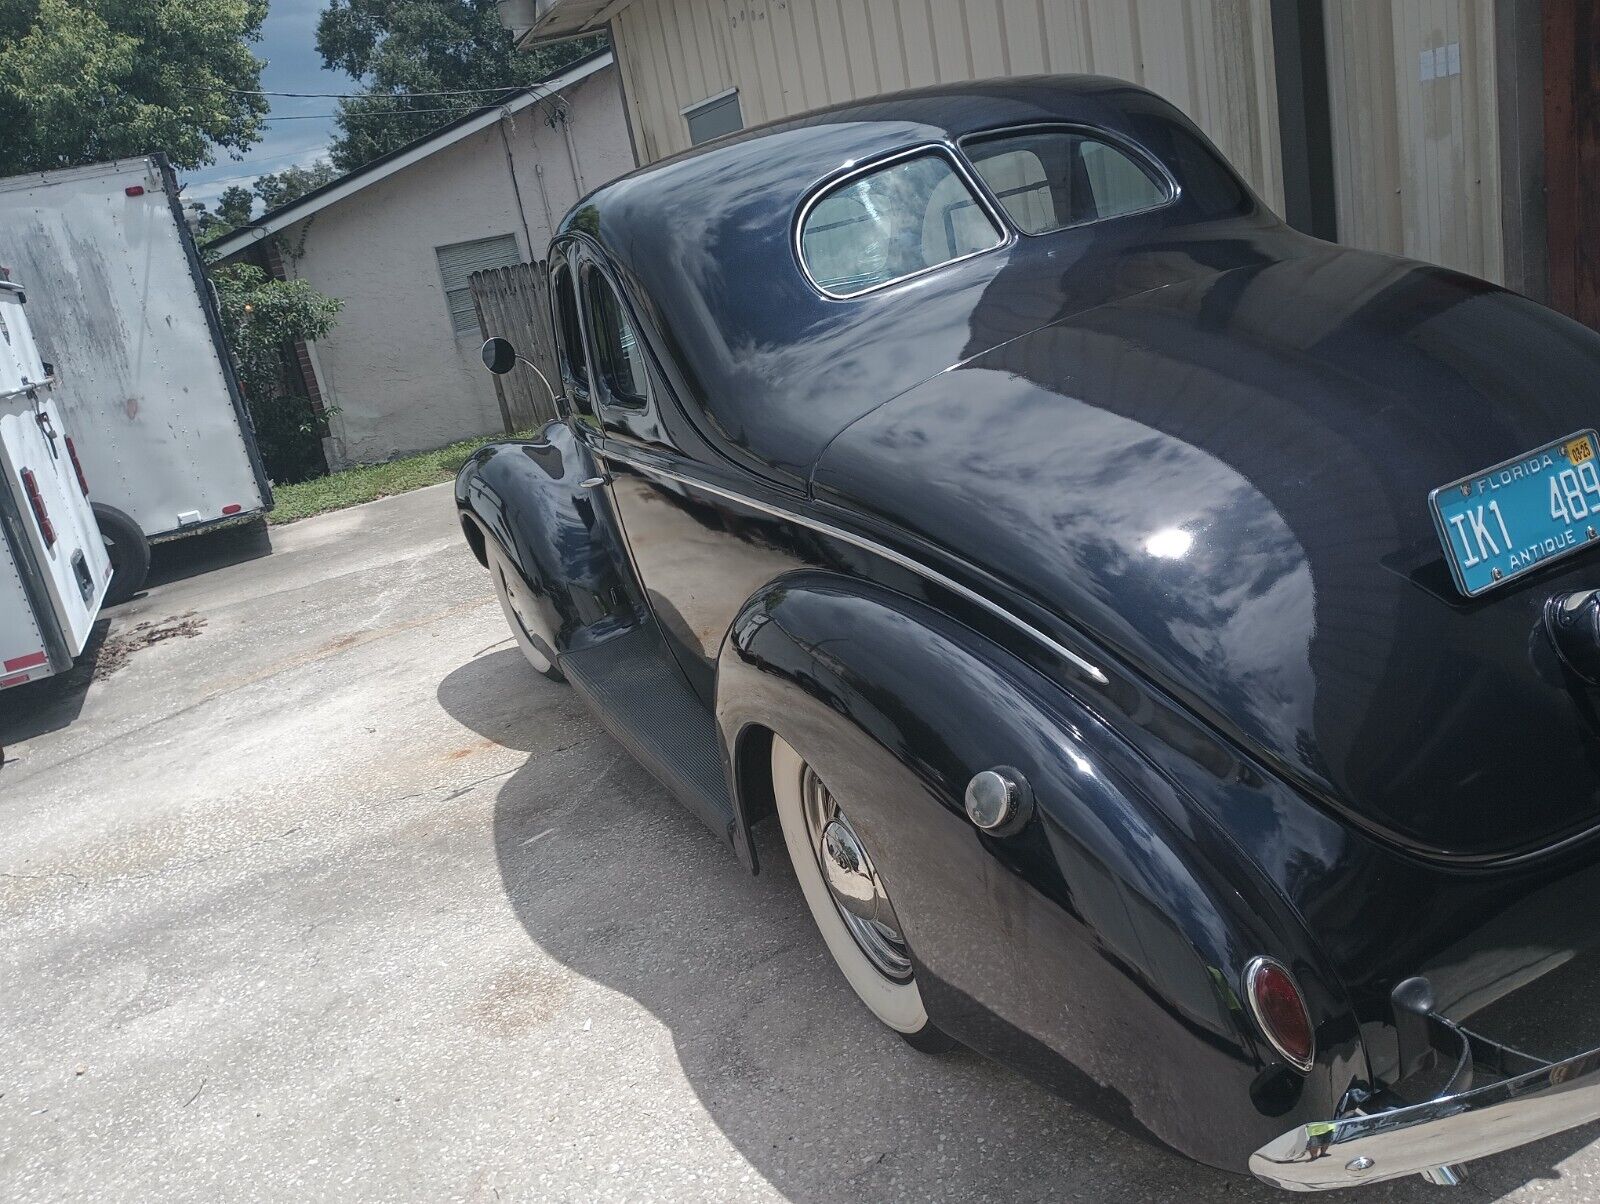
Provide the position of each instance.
(53, 546)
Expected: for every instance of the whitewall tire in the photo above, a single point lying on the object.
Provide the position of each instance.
(893, 999)
(512, 592)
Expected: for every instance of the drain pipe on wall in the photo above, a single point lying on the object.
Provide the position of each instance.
(572, 152)
(544, 197)
(516, 189)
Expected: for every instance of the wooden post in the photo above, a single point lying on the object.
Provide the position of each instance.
(485, 325)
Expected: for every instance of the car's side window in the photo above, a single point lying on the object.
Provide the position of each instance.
(618, 357)
(1054, 178)
(569, 339)
(891, 223)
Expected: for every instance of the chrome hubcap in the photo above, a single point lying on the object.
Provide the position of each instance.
(852, 881)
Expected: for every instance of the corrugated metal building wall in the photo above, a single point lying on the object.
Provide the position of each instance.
(1415, 143)
(1213, 58)
(1411, 85)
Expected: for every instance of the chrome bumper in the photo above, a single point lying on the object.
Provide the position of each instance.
(1540, 1099)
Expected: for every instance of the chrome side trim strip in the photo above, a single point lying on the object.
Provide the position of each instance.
(867, 545)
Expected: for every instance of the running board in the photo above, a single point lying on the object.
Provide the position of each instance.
(640, 696)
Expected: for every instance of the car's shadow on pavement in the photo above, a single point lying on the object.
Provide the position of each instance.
(612, 878)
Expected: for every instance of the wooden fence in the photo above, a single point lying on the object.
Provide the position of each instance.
(514, 303)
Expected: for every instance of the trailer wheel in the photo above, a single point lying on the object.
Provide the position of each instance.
(129, 552)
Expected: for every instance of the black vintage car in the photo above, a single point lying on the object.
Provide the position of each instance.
(1166, 641)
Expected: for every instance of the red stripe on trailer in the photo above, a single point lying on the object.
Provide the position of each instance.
(13, 681)
(24, 662)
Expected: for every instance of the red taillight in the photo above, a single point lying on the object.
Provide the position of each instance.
(36, 499)
(1280, 1010)
(134, 190)
(77, 467)
(232, 508)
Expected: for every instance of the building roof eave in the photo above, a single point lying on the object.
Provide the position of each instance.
(274, 220)
(539, 22)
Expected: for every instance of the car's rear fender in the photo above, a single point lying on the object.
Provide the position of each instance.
(1103, 946)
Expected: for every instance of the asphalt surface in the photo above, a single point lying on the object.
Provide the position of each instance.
(327, 895)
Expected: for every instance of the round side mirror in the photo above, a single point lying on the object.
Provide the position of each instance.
(499, 356)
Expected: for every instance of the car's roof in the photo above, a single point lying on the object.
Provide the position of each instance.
(957, 109)
(944, 112)
(949, 111)
(703, 243)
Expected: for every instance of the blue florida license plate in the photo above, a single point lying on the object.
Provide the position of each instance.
(1507, 520)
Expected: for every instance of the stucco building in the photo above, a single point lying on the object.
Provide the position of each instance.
(1447, 130)
(396, 240)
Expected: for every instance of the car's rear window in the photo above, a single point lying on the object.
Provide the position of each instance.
(893, 222)
(1053, 178)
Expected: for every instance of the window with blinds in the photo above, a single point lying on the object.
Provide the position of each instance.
(458, 261)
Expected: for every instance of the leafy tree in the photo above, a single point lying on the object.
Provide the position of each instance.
(201, 220)
(262, 319)
(292, 183)
(397, 48)
(86, 80)
(234, 206)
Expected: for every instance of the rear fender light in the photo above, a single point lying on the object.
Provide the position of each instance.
(1280, 1012)
(30, 485)
(77, 466)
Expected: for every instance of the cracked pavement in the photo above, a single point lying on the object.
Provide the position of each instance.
(336, 898)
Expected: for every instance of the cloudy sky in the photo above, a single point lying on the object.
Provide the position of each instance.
(289, 46)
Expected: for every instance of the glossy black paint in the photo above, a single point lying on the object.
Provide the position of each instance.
(529, 498)
(1112, 928)
(1277, 426)
(1192, 448)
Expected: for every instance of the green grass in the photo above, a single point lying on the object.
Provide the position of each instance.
(356, 485)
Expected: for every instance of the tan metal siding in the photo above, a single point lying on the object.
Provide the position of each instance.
(1416, 160)
(1212, 58)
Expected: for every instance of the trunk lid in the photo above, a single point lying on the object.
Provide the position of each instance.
(1226, 481)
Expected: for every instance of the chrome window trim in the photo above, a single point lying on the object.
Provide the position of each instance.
(820, 191)
(898, 559)
(1137, 153)
(1255, 966)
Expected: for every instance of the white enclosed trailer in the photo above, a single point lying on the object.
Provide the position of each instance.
(126, 316)
(54, 568)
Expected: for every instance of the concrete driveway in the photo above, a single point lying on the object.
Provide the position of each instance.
(327, 895)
